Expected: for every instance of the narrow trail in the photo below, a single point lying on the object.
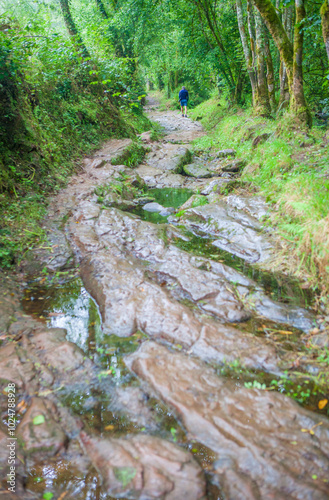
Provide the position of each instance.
(142, 356)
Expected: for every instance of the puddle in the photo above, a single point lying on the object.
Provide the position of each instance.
(279, 287)
(66, 480)
(68, 306)
(167, 197)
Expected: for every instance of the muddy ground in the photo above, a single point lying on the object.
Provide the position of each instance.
(151, 350)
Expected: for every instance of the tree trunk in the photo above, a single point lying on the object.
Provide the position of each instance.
(72, 29)
(208, 10)
(325, 24)
(284, 87)
(176, 78)
(291, 55)
(270, 72)
(263, 102)
(279, 35)
(298, 100)
(246, 51)
(252, 38)
(101, 8)
(239, 88)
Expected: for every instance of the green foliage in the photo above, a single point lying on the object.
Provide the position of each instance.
(131, 156)
(199, 200)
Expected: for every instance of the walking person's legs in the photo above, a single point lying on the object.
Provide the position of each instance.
(185, 111)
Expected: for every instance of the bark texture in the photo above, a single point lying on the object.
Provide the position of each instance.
(280, 37)
(325, 24)
(270, 72)
(287, 21)
(263, 103)
(292, 55)
(298, 101)
(246, 50)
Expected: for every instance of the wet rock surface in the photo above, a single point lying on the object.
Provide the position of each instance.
(257, 435)
(235, 232)
(9, 301)
(197, 170)
(145, 467)
(190, 317)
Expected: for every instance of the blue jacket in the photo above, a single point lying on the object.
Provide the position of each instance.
(183, 94)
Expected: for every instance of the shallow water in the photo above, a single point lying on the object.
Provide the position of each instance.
(68, 305)
(167, 197)
(278, 286)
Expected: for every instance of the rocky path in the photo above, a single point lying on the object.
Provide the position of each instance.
(159, 402)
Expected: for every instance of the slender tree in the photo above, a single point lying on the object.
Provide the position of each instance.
(72, 29)
(246, 51)
(287, 21)
(270, 72)
(102, 9)
(208, 11)
(299, 102)
(263, 102)
(290, 54)
(325, 24)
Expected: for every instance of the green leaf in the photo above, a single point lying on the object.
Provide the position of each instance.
(48, 495)
(124, 474)
(38, 420)
(173, 433)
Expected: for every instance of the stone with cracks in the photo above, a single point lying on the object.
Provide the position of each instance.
(170, 157)
(255, 206)
(236, 232)
(197, 170)
(257, 435)
(145, 467)
(223, 153)
(129, 301)
(39, 431)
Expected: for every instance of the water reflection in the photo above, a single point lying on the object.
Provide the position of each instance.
(68, 306)
(167, 197)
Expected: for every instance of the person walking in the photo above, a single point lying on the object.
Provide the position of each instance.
(183, 99)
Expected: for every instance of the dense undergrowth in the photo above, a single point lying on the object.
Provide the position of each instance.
(289, 166)
(53, 110)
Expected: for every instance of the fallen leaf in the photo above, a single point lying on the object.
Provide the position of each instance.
(62, 495)
(22, 405)
(38, 420)
(284, 332)
(322, 404)
(48, 495)
(109, 427)
(311, 431)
